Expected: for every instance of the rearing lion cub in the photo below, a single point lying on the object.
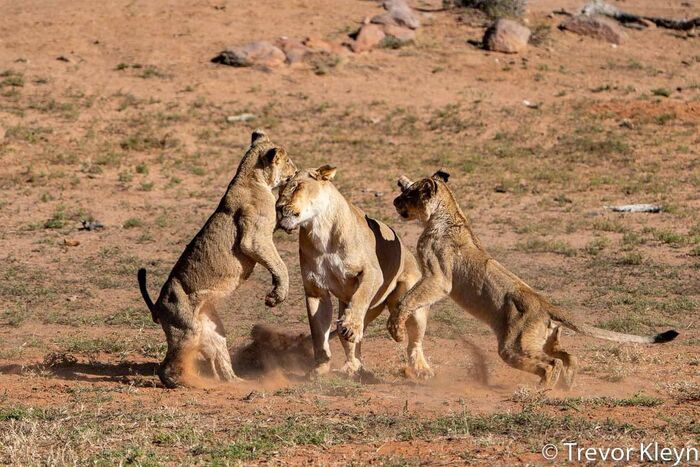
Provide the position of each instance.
(453, 263)
(222, 255)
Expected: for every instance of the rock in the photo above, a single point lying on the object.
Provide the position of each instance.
(317, 44)
(91, 225)
(240, 118)
(400, 34)
(597, 27)
(368, 37)
(384, 19)
(401, 13)
(260, 53)
(294, 49)
(506, 36)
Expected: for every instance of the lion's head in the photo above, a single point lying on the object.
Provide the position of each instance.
(304, 197)
(418, 200)
(275, 163)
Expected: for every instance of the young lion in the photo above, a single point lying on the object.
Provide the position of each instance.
(453, 263)
(236, 236)
(359, 260)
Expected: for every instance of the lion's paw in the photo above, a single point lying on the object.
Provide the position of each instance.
(350, 328)
(275, 297)
(396, 327)
(419, 372)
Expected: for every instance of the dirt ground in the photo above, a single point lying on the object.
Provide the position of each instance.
(129, 127)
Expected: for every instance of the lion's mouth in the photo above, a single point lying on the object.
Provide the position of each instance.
(288, 224)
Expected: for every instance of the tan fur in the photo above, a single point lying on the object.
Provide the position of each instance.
(236, 237)
(453, 263)
(350, 256)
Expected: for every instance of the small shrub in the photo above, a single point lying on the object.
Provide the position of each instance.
(663, 92)
(495, 8)
(132, 222)
(142, 168)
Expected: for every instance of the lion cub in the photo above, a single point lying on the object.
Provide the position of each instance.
(453, 263)
(236, 237)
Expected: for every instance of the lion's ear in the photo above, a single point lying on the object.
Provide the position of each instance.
(258, 136)
(404, 182)
(428, 188)
(273, 155)
(442, 175)
(325, 172)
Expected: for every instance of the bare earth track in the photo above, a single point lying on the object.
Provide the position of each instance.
(130, 128)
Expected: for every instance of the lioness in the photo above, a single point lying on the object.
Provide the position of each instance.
(453, 263)
(357, 259)
(236, 236)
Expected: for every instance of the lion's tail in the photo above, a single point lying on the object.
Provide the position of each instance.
(567, 320)
(144, 293)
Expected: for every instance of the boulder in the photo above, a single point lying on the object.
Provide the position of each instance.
(294, 49)
(597, 27)
(368, 37)
(259, 53)
(506, 36)
(317, 44)
(400, 34)
(401, 13)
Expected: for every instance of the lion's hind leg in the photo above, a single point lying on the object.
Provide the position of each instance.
(213, 345)
(553, 348)
(522, 344)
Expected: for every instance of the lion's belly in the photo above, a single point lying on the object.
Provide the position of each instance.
(329, 273)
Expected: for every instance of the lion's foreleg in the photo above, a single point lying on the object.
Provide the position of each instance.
(351, 325)
(426, 292)
(257, 244)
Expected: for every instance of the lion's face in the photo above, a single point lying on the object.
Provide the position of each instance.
(418, 199)
(304, 197)
(278, 166)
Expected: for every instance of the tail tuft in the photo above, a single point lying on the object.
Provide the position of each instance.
(667, 336)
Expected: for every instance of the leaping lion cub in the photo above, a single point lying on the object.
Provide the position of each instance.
(357, 259)
(236, 237)
(453, 263)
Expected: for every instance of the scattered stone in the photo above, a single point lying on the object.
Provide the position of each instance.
(63, 58)
(260, 53)
(506, 36)
(70, 242)
(91, 225)
(294, 49)
(627, 123)
(369, 36)
(252, 395)
(597, 27)
(636, 208)
(531, 105)
(240, 118)
(401, 13)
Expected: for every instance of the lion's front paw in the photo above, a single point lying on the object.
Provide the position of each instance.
(396, 327)
(350, 328)
(419, 372)
(275, 297)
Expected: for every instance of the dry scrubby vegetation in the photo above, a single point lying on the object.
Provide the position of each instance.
(77, 347)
